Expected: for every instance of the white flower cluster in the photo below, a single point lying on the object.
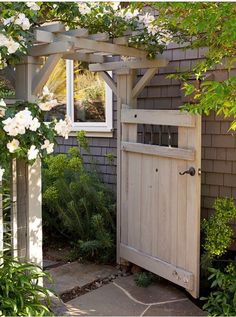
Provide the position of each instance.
(84, 8)
(49, 147)
(46, 100)
(11, 45)
(20, 20)
(63, 127)
(2, 170)
(33, 6)
(148, 20)
(127, 15)
(20, 122)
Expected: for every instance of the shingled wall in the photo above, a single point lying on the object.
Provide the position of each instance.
(218, 145)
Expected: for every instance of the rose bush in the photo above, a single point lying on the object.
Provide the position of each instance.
(23, 132)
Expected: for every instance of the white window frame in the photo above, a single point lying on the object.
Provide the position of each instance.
(103, 129)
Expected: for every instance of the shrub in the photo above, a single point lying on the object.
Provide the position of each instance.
(217, 232)
(78, 206)
(20, 293)
(217, 238)
(222, 300)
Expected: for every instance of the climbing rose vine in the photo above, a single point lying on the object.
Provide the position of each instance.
(23, 132)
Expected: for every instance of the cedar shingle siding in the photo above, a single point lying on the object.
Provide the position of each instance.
(218, 145)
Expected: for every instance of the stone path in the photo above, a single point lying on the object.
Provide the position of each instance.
(121, 297)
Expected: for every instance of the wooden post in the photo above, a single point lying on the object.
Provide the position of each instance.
(28, 180)
(125, 84)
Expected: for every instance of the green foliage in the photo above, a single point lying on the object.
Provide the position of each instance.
(204, 25)
(143, 279)
(222, 299)
(217, 238)
(20, 293)
(217, 231)
(110, 157)
(78, 206)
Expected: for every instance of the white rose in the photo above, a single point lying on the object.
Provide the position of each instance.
(12, 46)
(33, 6)
(8, 21)
(46, 92)
(33, 153)
(84, 8)
(22, 21)
(2, 170)
(63, 127)
(49, 147)
(3, 40)
(24, 118)
(13, 145)
(12, 127)
(2, 108)
(34, 124)
(48, 105)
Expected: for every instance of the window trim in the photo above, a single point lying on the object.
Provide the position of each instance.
(91, 128)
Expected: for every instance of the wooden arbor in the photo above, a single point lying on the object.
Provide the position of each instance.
(54, 42)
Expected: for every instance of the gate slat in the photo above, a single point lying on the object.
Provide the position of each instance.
(164, 151)
(134, 199)
(163, 209)
(156, 117)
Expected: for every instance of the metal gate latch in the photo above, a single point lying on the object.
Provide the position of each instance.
(191, 171)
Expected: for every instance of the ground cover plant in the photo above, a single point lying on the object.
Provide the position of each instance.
(78, 206)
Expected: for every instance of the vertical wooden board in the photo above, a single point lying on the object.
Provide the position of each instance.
(174, 190)
(146, 204)
(182, 200)
(182, 214)
(155, 207)
(194, 209)
(164, 209)
(134, 198)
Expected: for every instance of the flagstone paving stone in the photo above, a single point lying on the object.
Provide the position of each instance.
(123, 298)
(71, 275)
(159, 291)
(107, 300)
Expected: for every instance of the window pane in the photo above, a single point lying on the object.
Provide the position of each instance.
(57, 84)
(89, 95)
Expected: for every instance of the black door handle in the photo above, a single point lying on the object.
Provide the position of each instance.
(191, 171)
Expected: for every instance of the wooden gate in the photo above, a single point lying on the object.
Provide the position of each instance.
(160, 197)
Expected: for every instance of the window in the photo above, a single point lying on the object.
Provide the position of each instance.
(84, 96)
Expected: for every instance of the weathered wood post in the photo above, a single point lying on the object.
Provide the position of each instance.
(27, 203)
(125, 84)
